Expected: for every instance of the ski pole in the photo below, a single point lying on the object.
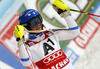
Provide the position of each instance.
(84, 12)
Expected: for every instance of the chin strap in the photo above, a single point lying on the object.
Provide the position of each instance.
(34, 31)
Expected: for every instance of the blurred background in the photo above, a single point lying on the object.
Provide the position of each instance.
(83, 51)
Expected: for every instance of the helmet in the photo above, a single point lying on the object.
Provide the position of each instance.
(29, 18)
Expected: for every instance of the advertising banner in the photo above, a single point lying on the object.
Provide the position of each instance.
(76, 48)
(82, 48)
(9, 48)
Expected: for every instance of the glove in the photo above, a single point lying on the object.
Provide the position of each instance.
(19, 32)
(61, 8)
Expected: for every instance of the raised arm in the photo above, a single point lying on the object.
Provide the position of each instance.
(24, 54)
(73, 29)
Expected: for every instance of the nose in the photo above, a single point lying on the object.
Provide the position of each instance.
(38, 27)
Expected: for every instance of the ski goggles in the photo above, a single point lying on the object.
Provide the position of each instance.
(34, 21)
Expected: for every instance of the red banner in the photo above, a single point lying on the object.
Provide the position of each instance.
(7, 38)
(88, 30)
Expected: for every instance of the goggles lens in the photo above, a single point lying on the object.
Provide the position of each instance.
(34, 21)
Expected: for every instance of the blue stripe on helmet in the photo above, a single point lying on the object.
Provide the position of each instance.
(74, 28)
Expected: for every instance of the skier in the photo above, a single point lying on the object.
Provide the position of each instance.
(42, 49)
